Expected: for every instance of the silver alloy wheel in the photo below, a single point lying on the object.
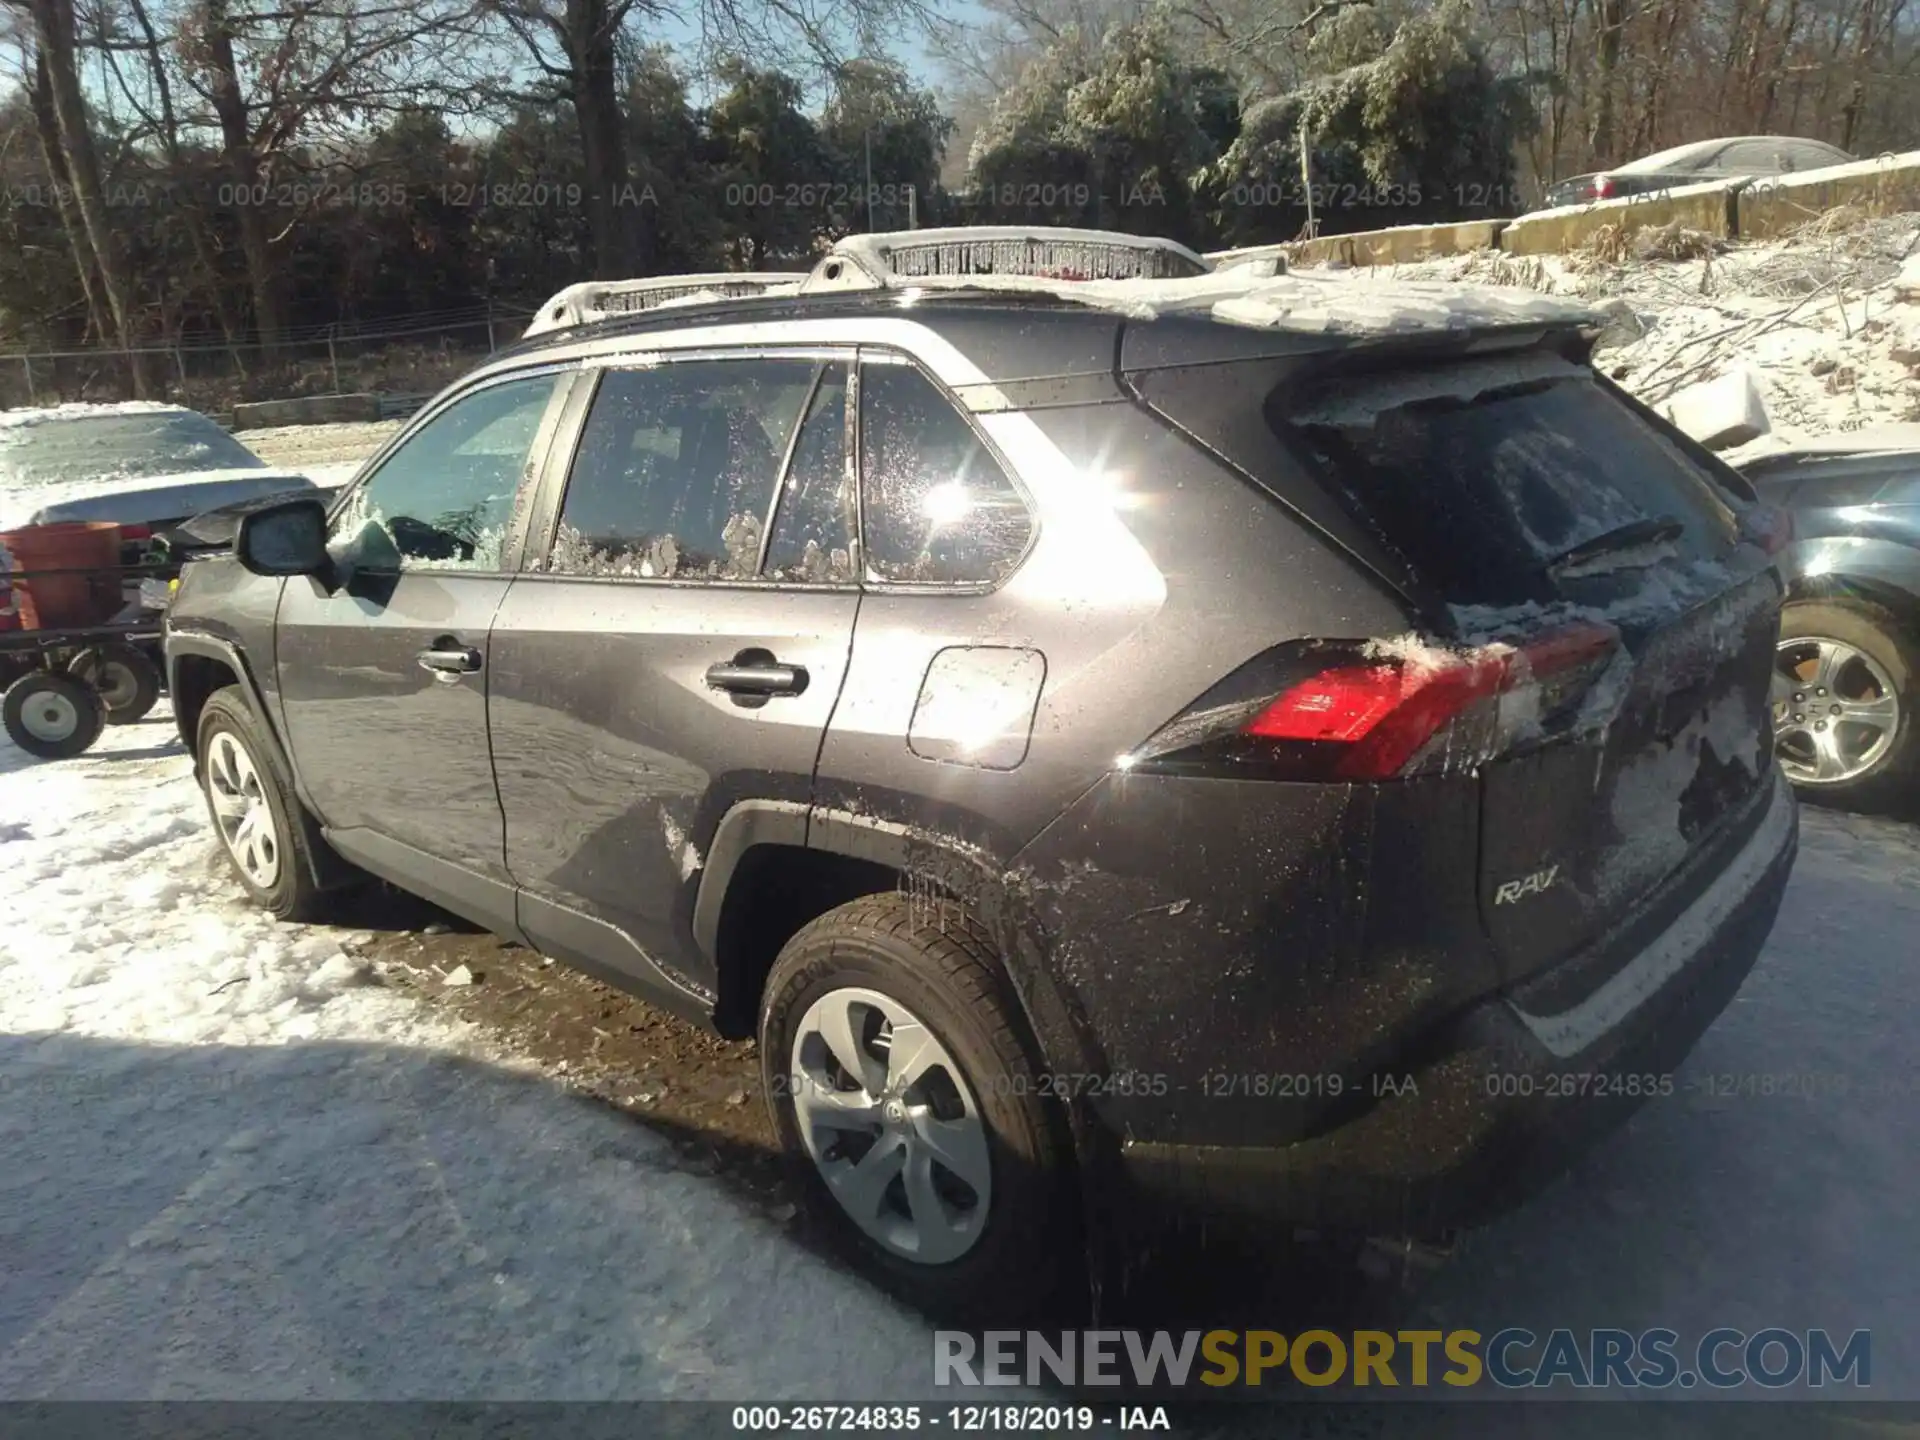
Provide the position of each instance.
(1835, 710)
(891, 1125)
(241, 810)
(50, 717)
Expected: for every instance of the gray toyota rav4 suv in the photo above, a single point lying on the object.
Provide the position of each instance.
(1115, 730)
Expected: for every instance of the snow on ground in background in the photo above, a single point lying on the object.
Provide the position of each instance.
(337, 472)
(304, 447)
(1819, 318)
(234, 1165)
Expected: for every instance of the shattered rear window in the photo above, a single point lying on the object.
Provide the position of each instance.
(1489, 475)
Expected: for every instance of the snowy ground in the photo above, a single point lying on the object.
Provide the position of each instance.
(235, 1163)
(330, 454)
(1826, 320)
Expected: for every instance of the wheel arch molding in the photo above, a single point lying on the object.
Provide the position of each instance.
(1830, 566)
(917, 858)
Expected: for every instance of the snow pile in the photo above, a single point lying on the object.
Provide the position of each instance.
(1722, 412)
(235, 1163)
(1827, 320)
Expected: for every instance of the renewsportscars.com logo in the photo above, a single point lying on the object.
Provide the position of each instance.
(1511, 1359)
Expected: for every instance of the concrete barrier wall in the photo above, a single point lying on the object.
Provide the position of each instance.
(1880, 187)
(1743, 210)
(1710, 209)
(1400, 245)
(307, 410)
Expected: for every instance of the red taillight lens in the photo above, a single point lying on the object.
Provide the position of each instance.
(136, 532)
(1343, 704)
(1602, 186)
(1378, 717)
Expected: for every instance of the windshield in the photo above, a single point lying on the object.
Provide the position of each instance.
(130, 446)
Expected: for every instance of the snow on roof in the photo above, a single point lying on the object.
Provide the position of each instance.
(1101, 269)
(999, 252)
(1708, 150)
(598, 299)
(1318, 303)
(76, 410)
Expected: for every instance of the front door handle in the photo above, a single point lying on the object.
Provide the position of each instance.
(754, 675)
(447, 659)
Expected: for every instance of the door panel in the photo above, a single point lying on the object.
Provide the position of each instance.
(383, 743)
(383, 670)
(616, 759)
(644, 677)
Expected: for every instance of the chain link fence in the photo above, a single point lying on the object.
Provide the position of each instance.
(412, 354)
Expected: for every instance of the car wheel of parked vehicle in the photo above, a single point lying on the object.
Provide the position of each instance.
(901, 1089)
(127, 679)
(1842, 713)
(53, 716)
(264, 830)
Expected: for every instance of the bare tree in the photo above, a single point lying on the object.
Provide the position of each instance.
(576, 49)
(272, 75)
(57, 72)
(575, 46)
(149, 96)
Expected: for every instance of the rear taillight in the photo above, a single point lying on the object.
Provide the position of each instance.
(1602, 186)
(1381, 715)
(1384, 712)
(136, 532)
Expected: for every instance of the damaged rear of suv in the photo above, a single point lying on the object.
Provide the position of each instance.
(1429, 909)
(1215, 737)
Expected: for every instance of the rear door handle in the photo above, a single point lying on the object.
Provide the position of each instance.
(750, 676)
(448, 660)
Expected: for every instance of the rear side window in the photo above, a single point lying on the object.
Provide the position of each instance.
(676, 468)
(936, 507)
(1505, 480)
(813, 529)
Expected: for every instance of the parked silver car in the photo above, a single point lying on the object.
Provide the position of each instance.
(1732, 157)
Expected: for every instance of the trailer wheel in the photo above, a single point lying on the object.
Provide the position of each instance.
(52, 715)
(127, 679)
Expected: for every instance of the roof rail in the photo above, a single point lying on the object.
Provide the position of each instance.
(987, 252)
(598, 299)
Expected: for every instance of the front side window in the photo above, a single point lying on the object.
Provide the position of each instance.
(936, 508)
(444, 500)
(676, 469)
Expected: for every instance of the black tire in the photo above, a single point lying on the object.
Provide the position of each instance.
(1877, 634)
(932, 957)
(125, 676)
(53, 716)
(294, 894)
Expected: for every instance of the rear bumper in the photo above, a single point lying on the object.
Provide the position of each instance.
(1503, 1099)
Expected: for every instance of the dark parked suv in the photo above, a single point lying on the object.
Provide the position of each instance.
(1844, 691)
(1170, 738)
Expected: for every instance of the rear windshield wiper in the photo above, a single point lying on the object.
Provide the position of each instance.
(1634, 535)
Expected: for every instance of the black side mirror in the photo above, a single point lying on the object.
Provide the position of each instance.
(289, 538)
